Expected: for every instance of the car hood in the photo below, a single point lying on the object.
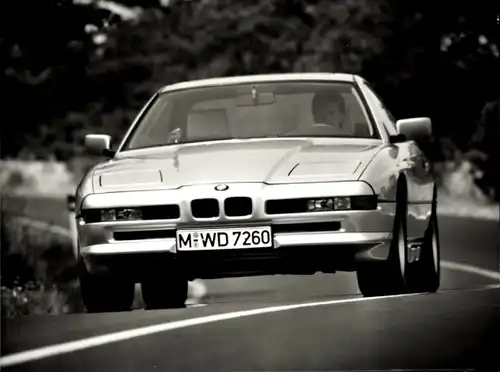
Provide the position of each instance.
(274, 161)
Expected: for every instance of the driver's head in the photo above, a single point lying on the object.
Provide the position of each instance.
(329, 108)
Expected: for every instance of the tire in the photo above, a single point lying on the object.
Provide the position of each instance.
(399, 270)
(372, 278)
(164, 291)
(104, 293)
(392, 276)
(428, 272)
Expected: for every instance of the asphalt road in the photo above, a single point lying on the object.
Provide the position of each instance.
(313, 323)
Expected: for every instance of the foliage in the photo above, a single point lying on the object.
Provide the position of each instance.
(43, 64)
(426, 58)
(486, 152)
(34, 299)
(440, 62)
(38, 272)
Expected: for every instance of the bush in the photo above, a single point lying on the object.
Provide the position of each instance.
(38, 272)
(34, 298)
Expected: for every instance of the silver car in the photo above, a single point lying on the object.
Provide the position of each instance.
(258, 175)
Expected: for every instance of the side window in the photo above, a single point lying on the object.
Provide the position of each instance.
(382, 112)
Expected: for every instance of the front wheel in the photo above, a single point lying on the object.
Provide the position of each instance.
(104, 293)
(391, 276)
(428, 266)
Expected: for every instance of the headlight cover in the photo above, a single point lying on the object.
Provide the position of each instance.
(329, 204)
(121, 214)
(323, 204)
(156, 212)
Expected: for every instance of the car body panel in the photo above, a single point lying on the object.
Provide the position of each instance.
(369, 229)
(271, 161)
(202, 83)
(396, 160)
(262, 169)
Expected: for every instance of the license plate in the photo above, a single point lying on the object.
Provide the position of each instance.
(228, 238)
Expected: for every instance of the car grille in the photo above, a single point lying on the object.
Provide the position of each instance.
(238, 206)
(205, 208)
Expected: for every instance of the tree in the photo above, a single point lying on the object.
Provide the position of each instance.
(440, 61)
(426, 58)
(44, 58)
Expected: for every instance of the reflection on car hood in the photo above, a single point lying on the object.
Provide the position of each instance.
(272, 161)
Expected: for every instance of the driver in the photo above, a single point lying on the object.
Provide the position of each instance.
(330, 112)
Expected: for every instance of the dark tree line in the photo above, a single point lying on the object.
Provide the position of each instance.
(437, 58)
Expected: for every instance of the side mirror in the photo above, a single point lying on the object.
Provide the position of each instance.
(98, 144)
(70, 202)
(414, 129)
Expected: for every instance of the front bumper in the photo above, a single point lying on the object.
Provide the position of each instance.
(281, 241)
(107, 245)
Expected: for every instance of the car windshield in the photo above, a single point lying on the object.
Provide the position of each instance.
(246, 111)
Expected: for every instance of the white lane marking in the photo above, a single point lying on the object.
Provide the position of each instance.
(490, 274)
(196, 305)
(72, 346)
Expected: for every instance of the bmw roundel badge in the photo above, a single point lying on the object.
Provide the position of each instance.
(221, 187)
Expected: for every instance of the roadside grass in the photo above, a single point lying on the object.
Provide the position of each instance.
(38, 272)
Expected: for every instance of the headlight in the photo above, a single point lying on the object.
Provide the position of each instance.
(324, 204)
(108, 215)
(316, 205)
(121, 214)
(342, 203)
(329, 204)
(156, 212)
(128, 214)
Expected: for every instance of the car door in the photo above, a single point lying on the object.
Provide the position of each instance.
(409, 159)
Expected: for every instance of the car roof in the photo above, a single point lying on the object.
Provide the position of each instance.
(268, 78)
